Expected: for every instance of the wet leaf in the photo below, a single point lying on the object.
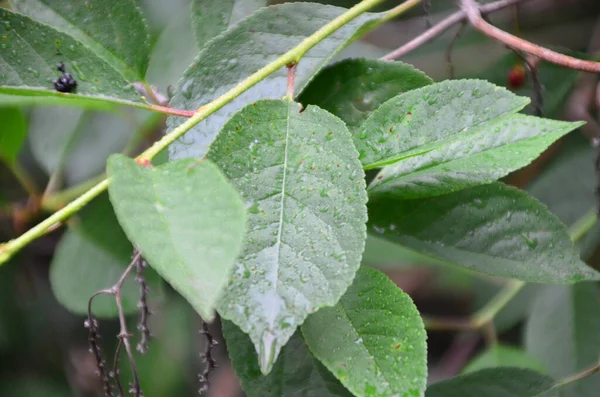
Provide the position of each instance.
(353, 88)
(502, 232)
(124, 43)
(296, 372)
(12, 134)
(482, 154)
(563, 332)
(304, 190)
(373, 340)
(186, 219)
(29, 58)
(251, 44)
(497, 382)
(416, 122)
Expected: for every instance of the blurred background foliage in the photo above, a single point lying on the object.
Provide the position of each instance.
(43, 347)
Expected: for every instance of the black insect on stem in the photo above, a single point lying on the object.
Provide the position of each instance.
(66, 82)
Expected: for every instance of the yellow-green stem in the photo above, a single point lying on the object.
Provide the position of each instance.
(8, 249)
(24, 179)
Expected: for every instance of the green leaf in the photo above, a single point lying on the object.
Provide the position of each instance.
(211, 17)
(12, 133)
(239, 52)
(477, 156)
(493, 229)
(305, 192)
(563, 332)
(28, 64)
(296, 372)
(421, 120)
(76, 144)
(172, 52)
(353, 88)
(372, 340)
(81, 267)
(123, 43)
(500, 382)
(504, 356)
(187, 221)
(92, 256)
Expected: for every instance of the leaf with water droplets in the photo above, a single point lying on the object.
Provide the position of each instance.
(494, 229)
(28, 67)
(479, 155)
(296, 372)
(12, 134)
(305, 192)
(124, 42)
(251, 44)
(187, 221)
(497, 382)
(413, 123)
(563, 332)
(353, 88)
(372, 340)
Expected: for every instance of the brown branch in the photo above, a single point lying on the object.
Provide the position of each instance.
(291, 77)
(142, 346)
(473, 12)
(92, 325)
(443, 26)
(207, 358)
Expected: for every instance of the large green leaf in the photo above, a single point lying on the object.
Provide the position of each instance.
(296, 372)
(563, 332)
(211, 17)
(251, 44)
(499, 382)
(353, 88)
(76, 144)
(421, 120)
(123, 43)
(12, 133)
(28, 65)
(304, 189)
(479, 155)
(504, 356)
(373, 339)
(187, 221)
(494, 229)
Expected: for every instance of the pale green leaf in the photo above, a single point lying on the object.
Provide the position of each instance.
(12, 133)
(418, 121)
(494, 229)
(187, 221)
(305, 192)
(498, 382)
(504, 356)
(211, 17)
(353, 88)
(296, 372)
(248, 46)
(123, 42)
(74, 144)
(28, 65)
(563, 332)
(479, 155)
(373, 340)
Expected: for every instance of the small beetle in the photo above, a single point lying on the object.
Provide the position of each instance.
(66, 82)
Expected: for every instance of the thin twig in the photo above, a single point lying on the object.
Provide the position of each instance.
(94, 339)
(115, 370)
(583, 374)
(443, 26)
(291, 77)
(207, 358)
(538, 97)
(142, 346)
(451, 47)
(473, 12)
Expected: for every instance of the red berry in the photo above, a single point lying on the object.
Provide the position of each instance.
(516, 77)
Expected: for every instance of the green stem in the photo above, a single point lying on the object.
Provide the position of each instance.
(8, 249)
(55, 201)
(583, 225)
(24, 179)
(487, 313)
